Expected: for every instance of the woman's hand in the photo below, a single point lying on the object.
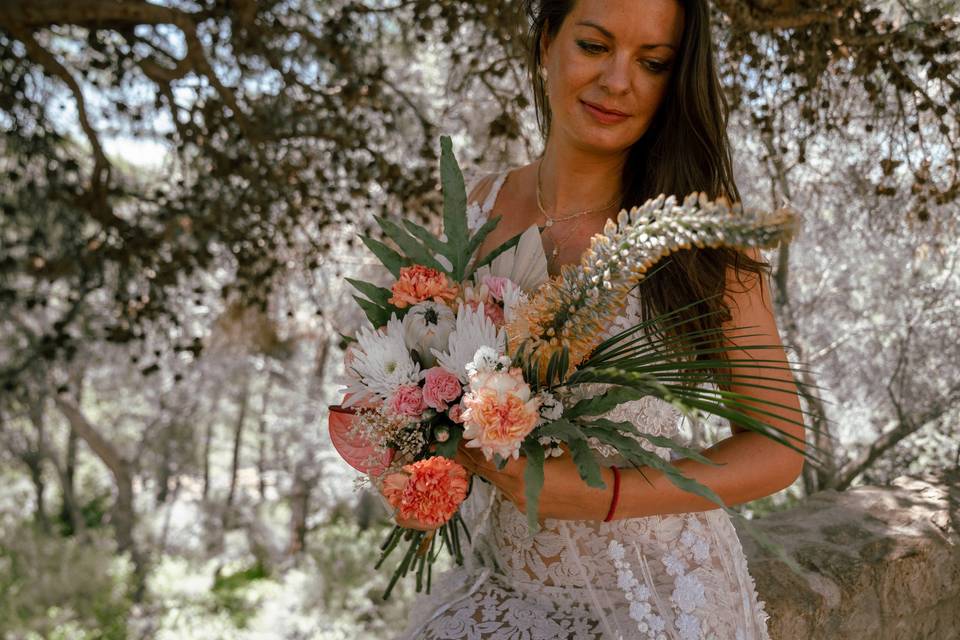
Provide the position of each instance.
(564, 496)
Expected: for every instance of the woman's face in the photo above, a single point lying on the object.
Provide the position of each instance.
(610, 55)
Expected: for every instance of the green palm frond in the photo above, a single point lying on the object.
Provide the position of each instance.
(689, 401)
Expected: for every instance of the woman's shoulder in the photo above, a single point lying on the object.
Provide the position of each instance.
(479, 180)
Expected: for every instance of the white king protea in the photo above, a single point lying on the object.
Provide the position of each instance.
(381, 364)
(426, 327)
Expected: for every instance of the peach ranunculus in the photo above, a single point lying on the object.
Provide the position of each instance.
(418, 283)
(440, 387)
(408, 401)
(499, 413)
(429, 490)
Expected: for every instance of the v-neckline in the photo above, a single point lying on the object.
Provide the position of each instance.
(492, 198)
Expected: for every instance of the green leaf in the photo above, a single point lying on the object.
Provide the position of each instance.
(375, 294)
(532, 481)
(562, 430)
(410, 246)
(675, 476)
(598, 405)
(552, 367)
(481, 235)
(487, 259)
(378, 316)
(564, 360)
(428, 239)
(454, 208)
(660, 441)
(586, 463)
(685, 400)
(389, 258)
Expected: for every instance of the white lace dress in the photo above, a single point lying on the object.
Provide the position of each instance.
(677, 576)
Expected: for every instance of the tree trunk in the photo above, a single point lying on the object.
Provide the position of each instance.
(163, 470)
(299, 510)
(237, 444)
(207, 442)
(33, 459)
(814, 478)
(303, 476)
(262, 443)
(123, 515)
(71, 505)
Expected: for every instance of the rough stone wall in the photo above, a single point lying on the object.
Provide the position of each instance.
(880, 563)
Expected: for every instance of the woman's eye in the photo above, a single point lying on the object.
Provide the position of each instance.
(591, 47)
(657, 67)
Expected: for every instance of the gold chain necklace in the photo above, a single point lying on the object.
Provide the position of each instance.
(550, 220)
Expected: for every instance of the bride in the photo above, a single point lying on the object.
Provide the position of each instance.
(629, 103)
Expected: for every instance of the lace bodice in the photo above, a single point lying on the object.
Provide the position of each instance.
(661, 577)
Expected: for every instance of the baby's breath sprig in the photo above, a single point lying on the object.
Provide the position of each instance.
(574, 308)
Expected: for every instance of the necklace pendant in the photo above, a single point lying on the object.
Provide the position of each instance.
(549, 223)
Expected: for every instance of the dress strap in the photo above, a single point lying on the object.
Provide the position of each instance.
(494, 192)
(479, 212)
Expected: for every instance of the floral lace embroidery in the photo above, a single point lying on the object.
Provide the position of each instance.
(637, 594)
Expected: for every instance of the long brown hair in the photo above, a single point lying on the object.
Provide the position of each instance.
(684, 149)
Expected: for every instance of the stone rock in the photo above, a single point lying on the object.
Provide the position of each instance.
(879, 563)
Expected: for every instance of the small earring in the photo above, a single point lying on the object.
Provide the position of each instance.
(543, 73)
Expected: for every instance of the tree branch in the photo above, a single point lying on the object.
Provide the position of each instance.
(100, 446)
(903, 429)
(101, 167)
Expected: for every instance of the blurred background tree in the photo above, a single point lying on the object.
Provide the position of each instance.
(184, 184)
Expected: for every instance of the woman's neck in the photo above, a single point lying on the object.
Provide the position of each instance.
(574, 180)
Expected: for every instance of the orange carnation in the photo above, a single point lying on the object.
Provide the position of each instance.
(429, 490)
(418, 283)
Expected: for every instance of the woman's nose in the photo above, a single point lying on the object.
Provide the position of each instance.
(615, 77)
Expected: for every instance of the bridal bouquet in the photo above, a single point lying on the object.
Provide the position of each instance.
(490, 352)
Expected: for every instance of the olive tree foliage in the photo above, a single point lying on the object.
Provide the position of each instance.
(287, 125)
(280, 120)
(868, 294)
(284, 118)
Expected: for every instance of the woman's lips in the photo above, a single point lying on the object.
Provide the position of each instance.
(604, 117)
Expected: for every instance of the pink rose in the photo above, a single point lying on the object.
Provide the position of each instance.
(456, 413)
(440, 388)
(496, 285)
(407, 400)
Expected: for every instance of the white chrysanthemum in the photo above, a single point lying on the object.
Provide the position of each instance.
(381, 363)
(513, 297)
(473, 330)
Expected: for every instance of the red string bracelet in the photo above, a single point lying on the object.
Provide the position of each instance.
(616, 493)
